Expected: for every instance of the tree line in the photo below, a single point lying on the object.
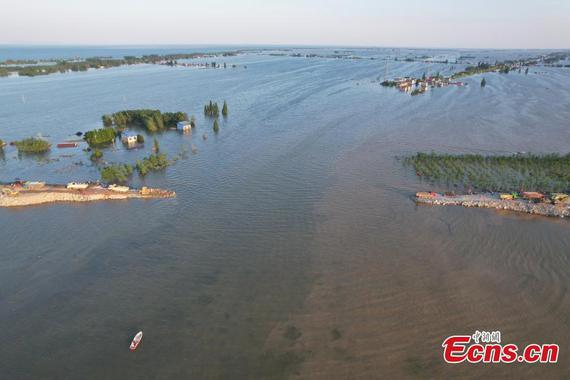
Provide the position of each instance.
(35, 68)
(151, 120)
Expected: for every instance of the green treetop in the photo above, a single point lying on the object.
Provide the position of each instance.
(100, 136)
(32, 145)
(107, 120)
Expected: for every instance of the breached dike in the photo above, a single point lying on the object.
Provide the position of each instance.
(20, 195)
(561, 210)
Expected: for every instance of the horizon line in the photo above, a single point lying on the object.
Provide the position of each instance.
(65, 44)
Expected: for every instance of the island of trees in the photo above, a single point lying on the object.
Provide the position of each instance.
(116, 173)
(99, 137)
(150, 120)
(154, 162)
(483, 68)
(518, 172)
(32, 145)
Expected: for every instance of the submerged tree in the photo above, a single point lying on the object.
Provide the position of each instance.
(100, 136)
(154, 162)
(225, 109)
(156, 147)
(483, 82)
(211, 109)
(107, 120)
(96, 155)
(116, 173)
(216, 126)
(32, 145)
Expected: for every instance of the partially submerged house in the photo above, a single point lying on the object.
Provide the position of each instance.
(183, 126)
(128, 137)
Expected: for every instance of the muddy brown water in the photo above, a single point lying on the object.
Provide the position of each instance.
(293, 248)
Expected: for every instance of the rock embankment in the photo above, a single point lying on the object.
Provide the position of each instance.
(19, 197)
(492, 201)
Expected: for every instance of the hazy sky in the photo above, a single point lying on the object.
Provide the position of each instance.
(415, 23)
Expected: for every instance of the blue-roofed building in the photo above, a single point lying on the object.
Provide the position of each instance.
(128, 137)
(183, 126)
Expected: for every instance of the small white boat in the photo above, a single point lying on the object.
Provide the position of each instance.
(136, 341)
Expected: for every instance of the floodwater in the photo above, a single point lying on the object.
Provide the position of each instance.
(293, 249)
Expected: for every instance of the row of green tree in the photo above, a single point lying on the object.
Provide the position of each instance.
(212, 109)
(483, 67)
(64, 65)
(151, 120)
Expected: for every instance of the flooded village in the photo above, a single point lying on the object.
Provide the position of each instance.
(417, 86)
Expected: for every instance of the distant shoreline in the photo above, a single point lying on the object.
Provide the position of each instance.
(39, 67)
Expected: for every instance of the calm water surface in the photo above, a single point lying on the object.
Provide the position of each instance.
(293, 248)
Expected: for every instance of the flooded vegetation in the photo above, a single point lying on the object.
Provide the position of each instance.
(99, 137)
(517, 172)
(120, 173)
(32, 145)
